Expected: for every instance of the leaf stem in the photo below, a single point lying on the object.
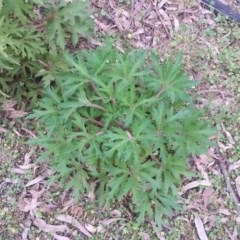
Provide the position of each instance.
(97, 106)
(160, 92)
(98, 123)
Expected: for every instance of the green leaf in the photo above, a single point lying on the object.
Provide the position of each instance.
(125, 122)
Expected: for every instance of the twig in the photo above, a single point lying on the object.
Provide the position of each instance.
(160, 92)
(96, 122)
(160, 18)
(4, 94)
(222, 160)
(215, 91)
(101, 124)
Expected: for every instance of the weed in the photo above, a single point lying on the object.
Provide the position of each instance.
(125, 122)
(32, 35)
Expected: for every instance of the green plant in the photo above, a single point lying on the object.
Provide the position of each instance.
(125, 123)
(32, 35)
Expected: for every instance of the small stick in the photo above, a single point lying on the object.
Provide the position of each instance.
(215, 91)
(96, 122)
(160, 18)
(222, 164)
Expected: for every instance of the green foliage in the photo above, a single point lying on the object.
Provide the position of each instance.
(32, 36)
(124, 122)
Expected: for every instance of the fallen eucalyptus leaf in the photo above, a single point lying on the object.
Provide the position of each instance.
(115, 213)
(200, 228)
(109, 221)
(234, 166)
(35, 180)
(40, 223)
(206, 196)
(228, 134)
(144, 236)
(27, 166)
(74, 222)
(60, 237)
(195, 184)
(3, 130)
(90, 228)
(237, 182)
(25, 207)
(224, 211)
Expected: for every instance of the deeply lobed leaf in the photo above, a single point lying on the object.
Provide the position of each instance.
(126, 122)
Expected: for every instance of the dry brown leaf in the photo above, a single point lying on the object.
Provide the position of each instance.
(112, 4)
(192, 206)
(91, 194)
(138, 32)
(119, 46)
(27, 166)
(195, 184)
(224, 211)
(36, 194)
(40, 223)
(48, 208)
(203, 159)
(12, 181)
(124, 13)
(176, 24)
(206, 195)
(74, 222)
(76, 211)
(58, 237)
(109, 221)
(3, 130)
(238, 220)
(186, 19)
(28, 206)
(35, 180)
(160, 5)
(234, 166)
(16, 114)
(100, 229)
(200, 167)
(26, 229)
(211, 221)
(31, 133)
(103, 26)
(228, 135)
(224, 220)
(144, 236)
(95, 42)
(234, 235)
(25, 234)
(223, 147)
(8, 105)
(166, 21)
(18, 171)
(27, 156)
(67, 205)
(90, 228)
(159, 234)
(17, 133)
(237, 182)
(200, 228)
(122, 20)
(115, 213)
(48, 173)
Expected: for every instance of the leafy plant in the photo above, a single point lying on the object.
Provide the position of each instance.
(32, 36)
(124, 122)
